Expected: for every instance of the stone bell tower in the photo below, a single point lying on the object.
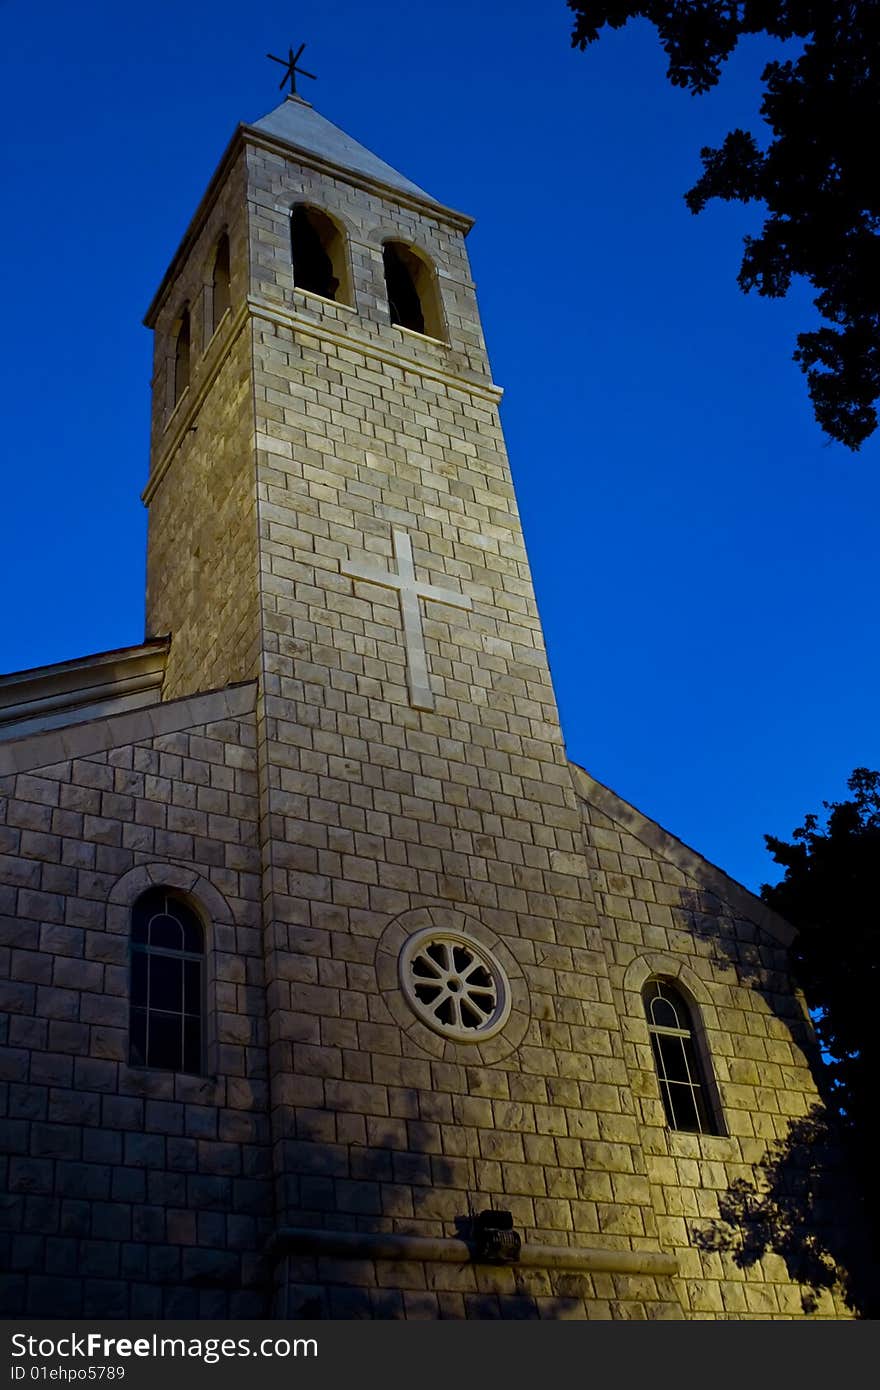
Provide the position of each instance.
(331, 514)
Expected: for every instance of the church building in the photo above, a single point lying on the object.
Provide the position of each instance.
(332, 988)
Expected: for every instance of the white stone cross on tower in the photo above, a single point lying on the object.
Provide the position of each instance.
(410, 591)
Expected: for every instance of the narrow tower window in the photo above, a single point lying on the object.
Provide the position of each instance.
(167, 984)
(181, 357)
(680, 1072)
(319, 254)
(220, 283)
(412, 293)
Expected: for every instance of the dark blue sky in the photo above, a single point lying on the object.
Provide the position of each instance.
(704, 560)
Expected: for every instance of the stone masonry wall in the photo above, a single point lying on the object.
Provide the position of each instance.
(381, 818)
(202, 575)
(131, 1192)
(318, 819)
(426, 1289)
(667, 913)
(277, 182)
(202, 540)
(378, 819)
(224, 210)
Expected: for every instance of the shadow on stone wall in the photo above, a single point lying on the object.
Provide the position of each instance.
(381, 1189)
(799, 1209)
(805, 1204)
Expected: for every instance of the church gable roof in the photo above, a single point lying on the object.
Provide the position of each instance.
(299, 125)
(666, 846)
(86, 687)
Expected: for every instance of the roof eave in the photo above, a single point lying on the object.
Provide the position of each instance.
(410, 198)
(688, 860)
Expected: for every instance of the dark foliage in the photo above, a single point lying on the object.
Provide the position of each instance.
(830, 893)
(817, 177)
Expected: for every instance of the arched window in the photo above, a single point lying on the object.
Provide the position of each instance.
(167, 984)
(412, 293)
(682, 1077)
(181, 356)
(220, 282)
(320, 258)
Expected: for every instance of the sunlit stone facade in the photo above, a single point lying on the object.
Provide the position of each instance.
(426, 934)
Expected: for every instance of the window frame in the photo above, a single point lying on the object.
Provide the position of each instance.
(147, 950)
(700, 1084)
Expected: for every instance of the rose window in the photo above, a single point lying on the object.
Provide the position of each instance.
(454, 984)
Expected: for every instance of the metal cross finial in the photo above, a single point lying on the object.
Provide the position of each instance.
(290, 63)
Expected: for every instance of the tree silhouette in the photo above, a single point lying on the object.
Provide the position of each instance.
(829, 892)
(817, 176)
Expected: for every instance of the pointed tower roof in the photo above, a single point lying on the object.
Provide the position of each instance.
(299, 125)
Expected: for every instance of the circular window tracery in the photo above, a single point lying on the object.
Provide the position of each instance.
(454, 984)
